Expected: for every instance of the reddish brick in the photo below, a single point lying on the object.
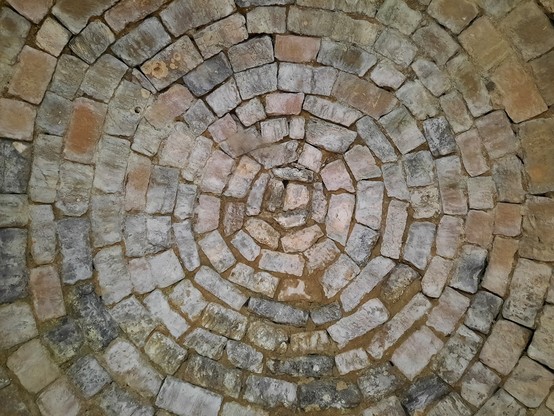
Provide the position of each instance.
(279, 103)
(46, 291)
(17, 119)
(32, 75)
(169, 105)
(296, 48)
(479, 227)
(85, 128)
(138, 177)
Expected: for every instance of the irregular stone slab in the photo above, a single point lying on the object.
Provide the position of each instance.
(483, 311)
(537, 231)
(456, 111)
(431, 77)
(393, 330)
(398, 14)
(75, 249)
(360, 243)
(181, 16)
(257, 81)
(418, 245)
(435, 277)
(502, 402)
(397, 283)
(260, 282)
(17, 324)
(537, 154)
(528, 288)
(270, 337)
(142, 43)
(15, 166)
(221, 35)
(111, 163)
(416, 352)
(335, 176)
(14, 33)
(465, 77)
(17, 119)
(160, 309)
(206, 213)
(390, 406)
(452, 185)
(504, 346)
(33, 366)
(270, 392)
(206, 343)
(96, 323)
(224, 321)
(339, 215)
(310, 342)
(345, 58)
(184, 399)
(423, 393)
(403, 130)
(352, 360)
(217, 251)
(541, 346)
(164, 69)
(244, 356)
(451, 307)
(529, 382)
(290, 48)
(419, 168)
(213, 375)
(216, 173)
(274, 261)
(478, 384)
(361, 163)
(397, 215)
(356, 92)
(332, 111)
(114, 397)
(113, 277)
(246, 246)
(100, 80)
(162, 190)
(46, 293)
(469, 269)
(326, 394)
(267, 20)
(338, 275)
(278, 312)
(43, 234)
(92, 41)
(452, 361)
(222, 289)
(209, 74)
(368, 316)
(88, 375)
(74, 188)
(380, 381)
(134, 319)
(165, 352)
(307, 366)
(395, 46)
(14, 210)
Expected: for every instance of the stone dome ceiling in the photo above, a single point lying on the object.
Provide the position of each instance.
(276, 207)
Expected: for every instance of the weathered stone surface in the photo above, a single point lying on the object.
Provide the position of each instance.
(418, 100)
(537, 231)
(535, 144)
(390, 406)
(395, 46)
(58, 398)
(540, 348)
(214, 376)
(221, 35)
(483, 311)
(504, 346)
(209, 74)
(398, 14)
(352, 360)
(160, 309)
(456, 111)
(329, 136)
(88, 375)
(205, 343)
(244, 356)
(113, 276)
(214, 247)
(403, 130)
(267, 20)
(224, 321)
(14, 32)
(257, 81)
(423, 393)
(368, 316)
(418, 245)
(227, 292)
(270, 392)
(274, 261)
(46, 293)
(345, 58)
(379, 381)
(415, 353)
(338, 275)
(465, 77)
(469, 269)
(33, 366)
(75, 249)
(184, 399)
(386, 75)
(17, 324)
(327, 394)
(307, 366)
(16, 119)
(278, 312)
(478, 384)
(529, 382)
(502, 402)
(181, 16)
(292, 48)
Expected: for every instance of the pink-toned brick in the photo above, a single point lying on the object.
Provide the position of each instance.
(296, 48)
(47, 293)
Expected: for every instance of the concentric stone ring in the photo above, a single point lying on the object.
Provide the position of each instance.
(276, 207)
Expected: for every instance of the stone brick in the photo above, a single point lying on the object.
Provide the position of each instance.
(330, 393)
(17, 324)
(390, 406)
(58, 398)
(92, 41)
(213, 375)
(397, 14)
(160, 309)
(291, 48)
(257, 81)
(283, 103)
(478, 384)
(379, 381)
(162, 190)
(206, 343)
(368, 316)
(130, 11)
(507, 219)
(507, 175)
(270, 392)
(221, 35)
(267, 20)
(451, 307)
(183, 399)
(452, 185)
(465, 77)
(363, 95)
(222, 289)
(332, 111)
(329, 136)
(345, 58)
(530, 30)
(165, 352)
(416, 352)
(113, 277)
(76, 18)
(481, 192)
(417, 249)
(469, 268)
(403, 129)
(448, 236)
(33, 366)
(501, 402)
(518, 92)
(46, 292)
(16, 119)
(436, 42)
(496, 278)
(471, 148)
(395, 183)
(538, 154)
(182, 15)
(540, 348)
(274, 261)
(504, 346)
(386, 75)
(224, 321)
(537, 230)
(103, 77)
(252, 53)
(456, 111)
(541, 69)
(88, 375)
(529, 382)
(172, 63)
(483, 311)
(479, 227)
(52, 37)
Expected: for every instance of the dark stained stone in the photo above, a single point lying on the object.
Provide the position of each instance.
(15, 167)
(439, 136)
(424, 392)
(213, 375)
(210, 73)
(64, 340)
(278, 312)
(325, 394)
(470, 268)
(14, 274)
(308, 366)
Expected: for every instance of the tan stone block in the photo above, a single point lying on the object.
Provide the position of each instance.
(32, 75)
(34, 10)
(129, 11)
(538, 150)
(278, 103)
(507, 219)
(17, 119)
(455, 15)
(479, 227)
(292, 48)
(538, 230)
(529, 382)
(485, 43)
(518, 92)
(542, 69)
(504, 346)
(497, 275)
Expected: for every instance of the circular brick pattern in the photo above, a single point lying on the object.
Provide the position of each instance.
(265, 207)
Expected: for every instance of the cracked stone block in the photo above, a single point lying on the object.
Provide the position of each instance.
(270, 392)
(160, 309)
(165, 352)
(89, 376)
